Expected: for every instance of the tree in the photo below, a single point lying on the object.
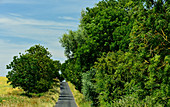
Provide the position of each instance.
(57, 66)
(144, 69)
(33, 71)
(103, 28)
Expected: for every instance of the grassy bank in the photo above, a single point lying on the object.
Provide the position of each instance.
(10, 97)
(79, 98)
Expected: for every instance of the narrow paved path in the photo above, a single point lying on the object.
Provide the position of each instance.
(66, 98)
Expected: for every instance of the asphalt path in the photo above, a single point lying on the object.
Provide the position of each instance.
(66, 98)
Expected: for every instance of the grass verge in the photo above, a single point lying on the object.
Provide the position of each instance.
(10, 97)
(79, 98)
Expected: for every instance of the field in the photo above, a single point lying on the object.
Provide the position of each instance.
(10, 97)
(4, 87)
(79, 98)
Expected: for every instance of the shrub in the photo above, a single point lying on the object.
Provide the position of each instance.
(89, 88)
(123, 74)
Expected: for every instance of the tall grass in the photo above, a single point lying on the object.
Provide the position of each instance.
(79, 98)
(10, 97)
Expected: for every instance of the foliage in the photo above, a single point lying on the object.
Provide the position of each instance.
(71, 69)
(127, 43)
(120, 74)
(33, 71)
(133, 101)
(101, 30)
(68, 70)
(57, 66)
(108, 27)
(72, 41)
(89, 88)
(142, 70)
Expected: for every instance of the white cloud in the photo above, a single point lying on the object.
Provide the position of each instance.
(68, 18)
(15, 14)
(23, 21)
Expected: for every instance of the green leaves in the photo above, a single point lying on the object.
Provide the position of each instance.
(127, 43)
(89, 87)
(33, 71)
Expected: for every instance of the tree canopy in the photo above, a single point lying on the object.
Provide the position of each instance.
(33, 71)
(121, 53)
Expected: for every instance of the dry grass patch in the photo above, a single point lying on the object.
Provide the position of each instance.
(10, 97)
(4, 87)
(79, 98)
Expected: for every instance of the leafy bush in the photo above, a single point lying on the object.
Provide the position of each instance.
(89, 88)
(113, 76)
(122, 74)
(33, 71)
(133, 100)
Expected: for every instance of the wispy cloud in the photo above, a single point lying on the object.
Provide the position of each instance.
(15, 15)
(24, 21)
(34, 29)
(68, 18)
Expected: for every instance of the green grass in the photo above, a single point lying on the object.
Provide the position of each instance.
(79, 98)
(10, 97)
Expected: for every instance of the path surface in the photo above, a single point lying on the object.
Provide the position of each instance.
(66, 98)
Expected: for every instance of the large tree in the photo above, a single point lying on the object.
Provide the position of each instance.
(105, 27)
(127, 42)
(143, 71)
(33, 71)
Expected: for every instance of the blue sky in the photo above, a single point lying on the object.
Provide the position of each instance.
(24, 23)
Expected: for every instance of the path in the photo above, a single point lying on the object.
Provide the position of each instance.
(66, 98)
